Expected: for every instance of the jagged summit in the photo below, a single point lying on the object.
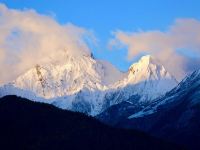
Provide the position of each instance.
(145, 62)
(147, 68)
(147, 59)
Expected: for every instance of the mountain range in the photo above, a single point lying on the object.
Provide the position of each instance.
(147, 97)
(85, 84)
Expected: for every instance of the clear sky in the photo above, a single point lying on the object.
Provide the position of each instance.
(105, 16)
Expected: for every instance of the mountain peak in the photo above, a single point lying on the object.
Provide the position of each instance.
(148, 69)
(147, 60)
(146, 63)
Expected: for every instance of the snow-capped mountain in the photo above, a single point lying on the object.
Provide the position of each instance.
(67, 77)
(174, 117)
(82, 83)
(147, 79)
(129, 111)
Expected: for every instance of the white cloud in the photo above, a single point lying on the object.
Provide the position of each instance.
(183, 35)
(28, 38)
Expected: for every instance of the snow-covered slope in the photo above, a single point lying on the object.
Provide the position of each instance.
(189, 87)
(82, 83)
(9, 89)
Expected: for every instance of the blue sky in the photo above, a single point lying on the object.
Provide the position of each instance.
(105, 16)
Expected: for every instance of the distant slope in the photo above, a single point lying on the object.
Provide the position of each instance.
(116, 113)
(28, 125)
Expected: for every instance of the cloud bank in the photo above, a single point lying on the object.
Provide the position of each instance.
(28, 38)
(172, 47)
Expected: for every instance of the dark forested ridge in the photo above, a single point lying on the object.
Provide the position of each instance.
(29, 125)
